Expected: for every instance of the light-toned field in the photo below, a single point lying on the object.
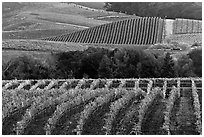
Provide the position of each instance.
(36, 20)
(39, 45)
(35, 34)
(29, 16)
(186, 38)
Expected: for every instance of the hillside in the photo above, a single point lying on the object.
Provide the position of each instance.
(74, 23)
(94, 5)
(141, 31)
(40, 17)
(48, 15)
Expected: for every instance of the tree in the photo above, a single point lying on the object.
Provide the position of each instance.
(189, 10)
(168, 70)
(184, 66)
(105, 69)
(196, 56)
(68, 64)
(25, 67)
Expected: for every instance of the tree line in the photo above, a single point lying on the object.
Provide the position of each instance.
(104, 63)
(171, 10)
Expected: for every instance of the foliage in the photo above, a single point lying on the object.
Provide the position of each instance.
(25, 67)
(196, 56)
(168, 70)
(189, 10)
(104, 63)
(184, 66)
(104, 69)
(68, 64)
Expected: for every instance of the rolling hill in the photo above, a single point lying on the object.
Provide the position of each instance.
(50, 15)
(38, 17)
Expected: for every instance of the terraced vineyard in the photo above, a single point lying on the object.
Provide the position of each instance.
(140, 30)
(102, 106)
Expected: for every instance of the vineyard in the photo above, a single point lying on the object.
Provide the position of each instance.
(140, 30)
(187, 26)
(102, 106)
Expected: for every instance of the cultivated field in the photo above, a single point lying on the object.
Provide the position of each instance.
(103, 106)
(35, 34)
(143, 31)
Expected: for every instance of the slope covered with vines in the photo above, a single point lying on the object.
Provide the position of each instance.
(140, 30)
(102, 106)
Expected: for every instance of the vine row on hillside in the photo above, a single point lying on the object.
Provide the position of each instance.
(141, 31)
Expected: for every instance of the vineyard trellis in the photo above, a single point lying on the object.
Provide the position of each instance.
(187, 26)
(51, 83)
(68, 106)
(141, 31)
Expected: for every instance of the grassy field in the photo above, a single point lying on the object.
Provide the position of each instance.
(36, 20)
(52, 46)
(70, 19)
(35, 34)
(39, 45)
(28, 15)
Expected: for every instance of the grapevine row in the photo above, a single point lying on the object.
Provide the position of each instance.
(169, 107)
(145, 103)
(66, 106)
(197, 108)
(115, 107)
